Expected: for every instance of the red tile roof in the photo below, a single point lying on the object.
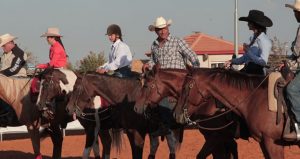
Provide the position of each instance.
(204, 44)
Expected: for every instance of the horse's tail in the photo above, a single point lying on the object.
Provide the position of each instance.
(116, 139)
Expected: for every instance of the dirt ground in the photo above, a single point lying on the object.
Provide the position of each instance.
(73, 148)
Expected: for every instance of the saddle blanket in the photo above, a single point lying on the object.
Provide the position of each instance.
(100, 102)
(272, 100)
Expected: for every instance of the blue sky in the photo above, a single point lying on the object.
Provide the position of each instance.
(83, 22)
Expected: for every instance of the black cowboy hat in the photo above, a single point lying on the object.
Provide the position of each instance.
(257, 17)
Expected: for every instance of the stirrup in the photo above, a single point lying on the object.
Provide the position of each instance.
(297, 131)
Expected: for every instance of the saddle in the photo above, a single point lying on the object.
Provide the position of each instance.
(281, 83)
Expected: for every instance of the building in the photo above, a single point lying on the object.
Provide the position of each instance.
(212, 51)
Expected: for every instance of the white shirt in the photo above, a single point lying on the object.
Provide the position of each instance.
(120, 56)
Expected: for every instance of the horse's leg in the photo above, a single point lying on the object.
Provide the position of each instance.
(35, 140)
(106, 142)
(171, 140)
(273, 151)
(214, 144)
(154, 143)
(96, 149)
(89, 142)
(95, 141)
(136, 140)
(57, 139)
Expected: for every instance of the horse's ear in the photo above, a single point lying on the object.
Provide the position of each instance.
(64, 80)
(78, 74)
(189, 68)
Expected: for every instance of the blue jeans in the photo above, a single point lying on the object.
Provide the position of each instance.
(293, 95)
(123, 72)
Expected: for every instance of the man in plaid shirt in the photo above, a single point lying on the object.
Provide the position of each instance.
(169, 52)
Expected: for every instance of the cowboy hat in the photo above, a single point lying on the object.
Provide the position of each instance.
(6, 38)
(52, 32)
(257, 17)
(295, 6)
(160, 23)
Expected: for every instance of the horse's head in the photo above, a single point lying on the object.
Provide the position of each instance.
(55, 84)
(158, 84)
(80, 97)
(194, 97)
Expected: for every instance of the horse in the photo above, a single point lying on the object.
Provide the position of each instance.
(121, 94)
(247, 96)
(161, 83)
(56, 84)
(16, 93)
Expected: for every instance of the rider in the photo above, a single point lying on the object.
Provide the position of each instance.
(57, 53)
(120, 56)
(169, 52)
(258, 50)
(12, 64)
(293, 88)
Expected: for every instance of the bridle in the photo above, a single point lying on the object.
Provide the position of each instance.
(78, 111)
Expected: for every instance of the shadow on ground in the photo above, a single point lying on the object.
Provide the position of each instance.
(23, 155)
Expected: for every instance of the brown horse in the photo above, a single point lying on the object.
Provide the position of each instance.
(56, 85)
(161, 83)
(16, 92)
(121, 94)
(246, 95)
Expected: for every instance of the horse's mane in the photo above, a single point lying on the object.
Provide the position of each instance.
(233, 78)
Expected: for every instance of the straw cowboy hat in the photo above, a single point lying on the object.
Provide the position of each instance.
(6, 38)
(52, 32)
(258, 17)
(295, 6)
(160, 23)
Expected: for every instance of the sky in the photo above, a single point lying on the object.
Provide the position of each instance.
(83, 23)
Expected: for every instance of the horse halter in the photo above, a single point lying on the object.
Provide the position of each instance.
(81, 89)
(153, 85)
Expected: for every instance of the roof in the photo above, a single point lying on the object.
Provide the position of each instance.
(204, 44)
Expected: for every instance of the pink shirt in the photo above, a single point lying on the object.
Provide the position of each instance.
(57, 55)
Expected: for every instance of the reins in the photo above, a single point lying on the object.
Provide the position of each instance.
(196, 122)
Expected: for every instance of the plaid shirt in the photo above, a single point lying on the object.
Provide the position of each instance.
(173, 54)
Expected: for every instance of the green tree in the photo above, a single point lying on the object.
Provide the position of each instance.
(31, 59)
(91, 62)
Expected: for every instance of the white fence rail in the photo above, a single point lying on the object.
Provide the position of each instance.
(75, 125)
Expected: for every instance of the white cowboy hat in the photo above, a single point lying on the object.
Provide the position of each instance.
(52, 32)
(160, 23)
(295, 6)
(6, 38)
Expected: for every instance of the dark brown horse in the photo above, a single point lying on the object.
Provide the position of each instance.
(16, 92)
(246, 95)
(161, 83)
(121, 94)
(56, 85)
